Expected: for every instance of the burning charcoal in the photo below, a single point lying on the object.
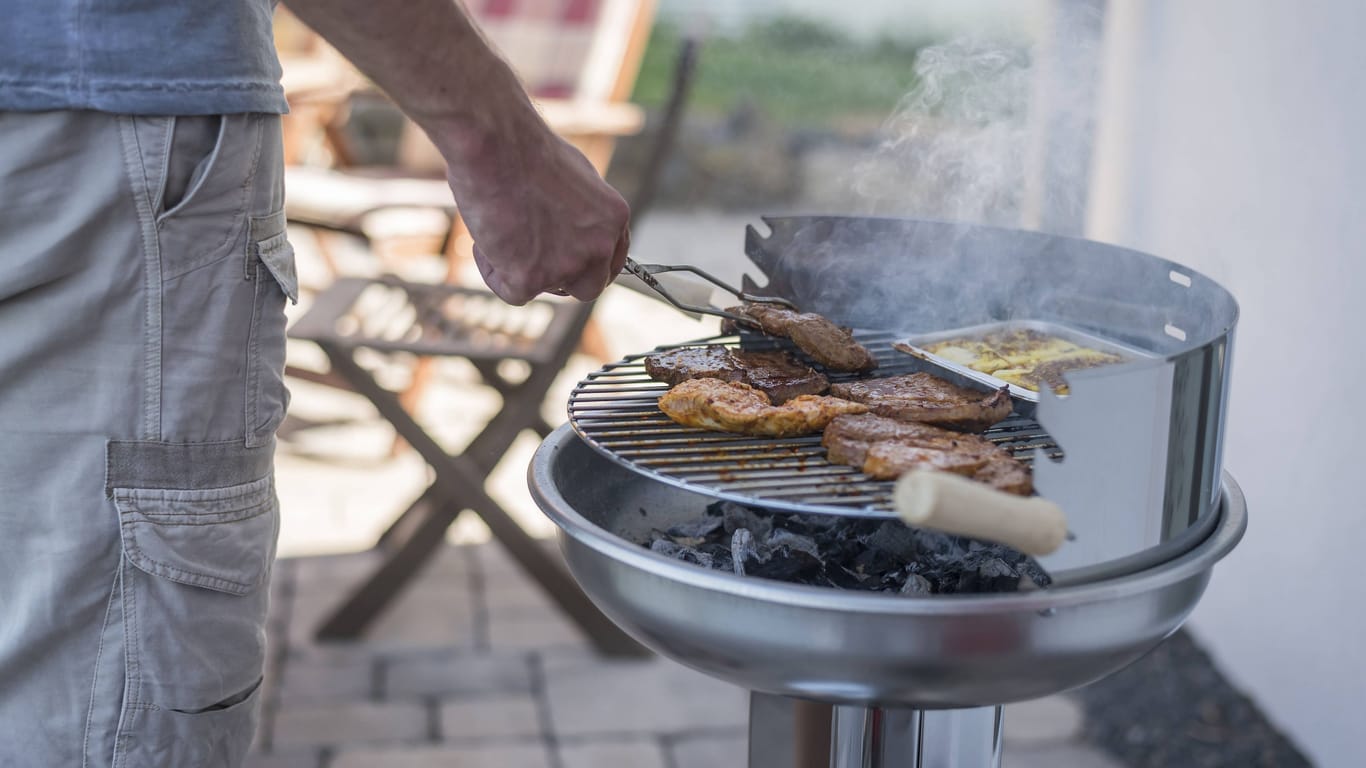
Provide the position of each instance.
(895, 539)
(678, 552)
(844, 578)
(810, 525)
(739, 516)
(872, 562)
(741, 549)
(788, 565)
(782, 539)
(916, 585)
(694, 529)
(1030, 569)
(843, 553)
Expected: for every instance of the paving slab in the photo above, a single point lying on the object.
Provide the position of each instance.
(309, 759)
(327, 679)
(711, 751)
(533, 630)
(483, 756)
(595, 697)
(632, 753)
(351, 722)
(455, 674)
(491, 717)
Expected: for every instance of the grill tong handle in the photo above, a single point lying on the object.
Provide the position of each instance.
(953, 504)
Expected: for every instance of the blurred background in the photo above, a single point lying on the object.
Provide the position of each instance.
(1223, 135)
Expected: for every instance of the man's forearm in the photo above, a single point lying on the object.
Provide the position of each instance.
(541, 217)
(431, 60)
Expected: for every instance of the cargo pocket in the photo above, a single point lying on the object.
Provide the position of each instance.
(195, 599)
(270, 265)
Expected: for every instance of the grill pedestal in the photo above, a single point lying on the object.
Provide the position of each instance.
(787, 733)
(907, 738)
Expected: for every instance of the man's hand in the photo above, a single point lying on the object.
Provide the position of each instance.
(541, 217)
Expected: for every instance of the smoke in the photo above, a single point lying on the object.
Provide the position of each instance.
(993, 133)
(955, 146)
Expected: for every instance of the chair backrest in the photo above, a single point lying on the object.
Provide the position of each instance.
(568, 49)
(586, 50)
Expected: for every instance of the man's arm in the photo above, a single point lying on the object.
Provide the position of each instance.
(541, 217)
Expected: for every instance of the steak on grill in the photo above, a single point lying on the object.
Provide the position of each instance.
(929, 400)
(775, 372)
(885, 449)
(828, 344)
(733, 406)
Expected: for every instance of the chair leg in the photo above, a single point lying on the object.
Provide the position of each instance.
(455, 253)
(593, 343)
(411, 398)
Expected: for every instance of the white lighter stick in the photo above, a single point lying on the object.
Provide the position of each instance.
(953, 504)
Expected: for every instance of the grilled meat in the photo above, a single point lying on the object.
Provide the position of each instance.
(732, 406)
(929, 400)
(775, 372)
(828, 344)
(1004, 473)
(886, 448)
(847, 439)
(888, 460)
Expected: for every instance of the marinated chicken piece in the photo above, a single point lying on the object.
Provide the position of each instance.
(732, 406)
(828, 344)
(928, 399)
(774, 371)
(886, 448)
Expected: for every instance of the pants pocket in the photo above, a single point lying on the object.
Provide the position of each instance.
(217, 737)
(195, 593)
(270, 265)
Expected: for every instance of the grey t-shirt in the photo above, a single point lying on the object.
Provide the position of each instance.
(149, 57)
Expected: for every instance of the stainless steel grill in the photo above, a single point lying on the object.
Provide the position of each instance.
(615, 411)
(916, 680)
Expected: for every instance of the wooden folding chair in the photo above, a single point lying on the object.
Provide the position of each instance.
(390, 315)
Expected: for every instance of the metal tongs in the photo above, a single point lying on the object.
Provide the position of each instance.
(647, 272)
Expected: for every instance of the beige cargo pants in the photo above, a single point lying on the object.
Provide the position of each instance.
(144, 271)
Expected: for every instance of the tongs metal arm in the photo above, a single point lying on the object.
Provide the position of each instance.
(647, 272)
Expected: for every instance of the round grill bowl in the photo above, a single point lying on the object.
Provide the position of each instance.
(855, 648)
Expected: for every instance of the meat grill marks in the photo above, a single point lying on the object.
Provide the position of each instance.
(885, 449)
(736, 407)
(928, 399)
(828, 344)
(775, 372)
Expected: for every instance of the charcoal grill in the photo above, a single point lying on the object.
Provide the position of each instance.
(1132, 454)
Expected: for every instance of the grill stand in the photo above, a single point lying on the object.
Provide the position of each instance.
(787, 733)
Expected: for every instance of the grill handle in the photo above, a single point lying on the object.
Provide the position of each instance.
(953, 504)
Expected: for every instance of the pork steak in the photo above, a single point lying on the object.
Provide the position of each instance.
(828, 344)
(928, 399)
(885, 449)
(774, 372)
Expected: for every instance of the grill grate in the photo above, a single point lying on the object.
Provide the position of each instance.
(615, 410)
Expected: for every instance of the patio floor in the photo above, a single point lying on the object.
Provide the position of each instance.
(472, 666)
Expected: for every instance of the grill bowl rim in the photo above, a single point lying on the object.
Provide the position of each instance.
(1230, 525)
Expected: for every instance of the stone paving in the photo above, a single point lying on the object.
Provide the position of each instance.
(473, 667)
(436, 682)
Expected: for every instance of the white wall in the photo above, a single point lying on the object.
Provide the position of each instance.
(1233, 139)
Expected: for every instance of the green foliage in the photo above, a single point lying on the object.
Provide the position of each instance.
(791, 70)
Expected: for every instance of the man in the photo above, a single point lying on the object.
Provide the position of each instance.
(143, 275)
